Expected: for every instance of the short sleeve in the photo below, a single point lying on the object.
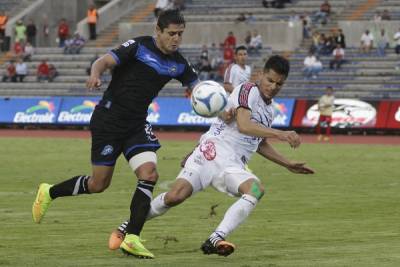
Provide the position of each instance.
(125, 52)
(189, 76)
(247, 96)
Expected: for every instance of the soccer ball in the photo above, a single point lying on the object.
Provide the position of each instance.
(208, 99)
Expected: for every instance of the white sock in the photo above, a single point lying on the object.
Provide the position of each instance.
(234, 216)
(157, 207)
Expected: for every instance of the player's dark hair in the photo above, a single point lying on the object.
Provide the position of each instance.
(171, 16)
(241, 47)
(278, 64)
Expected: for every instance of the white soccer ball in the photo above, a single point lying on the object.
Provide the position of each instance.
(208, 99)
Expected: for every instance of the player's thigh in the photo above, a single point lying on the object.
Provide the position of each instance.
(238, 181)
(139, 149)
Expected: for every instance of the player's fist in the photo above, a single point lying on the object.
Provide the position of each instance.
(93, 82)
(291, 137)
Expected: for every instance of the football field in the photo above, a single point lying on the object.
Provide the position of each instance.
(347, 214)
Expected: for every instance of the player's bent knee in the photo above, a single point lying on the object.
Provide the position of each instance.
(97, 186)
(174, 198)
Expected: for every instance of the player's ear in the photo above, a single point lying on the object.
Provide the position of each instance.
(158, 30)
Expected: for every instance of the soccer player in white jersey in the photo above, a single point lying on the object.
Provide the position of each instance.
(223, 151)
(238, 72)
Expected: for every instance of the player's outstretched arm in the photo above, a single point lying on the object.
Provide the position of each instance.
(267, 151)
(247, 127)
(99, 66)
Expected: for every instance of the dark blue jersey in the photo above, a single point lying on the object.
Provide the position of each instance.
(142, 71)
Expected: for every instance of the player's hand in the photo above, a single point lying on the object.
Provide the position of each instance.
(93, 82)
(291, 137)
(298, 167)
(228, 116)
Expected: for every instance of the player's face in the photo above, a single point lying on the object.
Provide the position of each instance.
(241, 57)
(170, 38)
(271, 83)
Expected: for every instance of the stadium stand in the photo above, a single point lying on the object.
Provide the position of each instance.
(363, 76)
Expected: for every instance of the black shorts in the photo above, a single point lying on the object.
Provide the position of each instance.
(107, 144)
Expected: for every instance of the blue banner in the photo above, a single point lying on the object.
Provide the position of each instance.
(77, 110)
(163, 111)
(29, 110)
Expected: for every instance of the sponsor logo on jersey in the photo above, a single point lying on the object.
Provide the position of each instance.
(43, 112)
(107, 150)
(80, 113)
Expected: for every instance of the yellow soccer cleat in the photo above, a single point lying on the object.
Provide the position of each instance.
(41, 203)
(132, 245)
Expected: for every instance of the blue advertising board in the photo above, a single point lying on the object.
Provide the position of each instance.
(163, 111)
(29, 110)
(77, 110)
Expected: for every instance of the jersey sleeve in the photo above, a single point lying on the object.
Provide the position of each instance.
(247, 96)
(125, 52)
(228, 77)
(189, 76)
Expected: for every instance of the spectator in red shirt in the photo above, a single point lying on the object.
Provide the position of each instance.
(18, 48)
(228, 54)
(43, 71)
(63, 32)
(230, 40)
(11, 73)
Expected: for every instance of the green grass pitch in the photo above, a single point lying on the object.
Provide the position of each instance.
(347, 214)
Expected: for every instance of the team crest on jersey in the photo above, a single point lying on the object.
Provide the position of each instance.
(107, 150)
(173, 69)
(208, 149)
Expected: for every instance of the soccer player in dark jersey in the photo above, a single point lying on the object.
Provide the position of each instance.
(141, 68)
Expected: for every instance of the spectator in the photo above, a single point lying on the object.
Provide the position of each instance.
(338, 58)
(18, 48)
(340, 38)
(241, 18)
(20, 31)
(162, 5)
(3, 23)
(325, 108)
(43, 71)
(204, 52)
(45, 40)
(396, 38)
(31, 32)
(11, 74)
(323, 14)
(377, 16)
(204, 69)
(53, 73)
(74, 45)
(255, 43)
(21, 70)
(367, 40)
(247, 39)
(63, 32)
(228, 54)
(306, 21)
(250, 18)
(274, 3)
(382, 43)
(92, 18)
(386, 15)
(230, 40)
(29, 50)
(216, 60)
(312, 66)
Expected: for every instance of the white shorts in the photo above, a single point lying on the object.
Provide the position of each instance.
(212, 163)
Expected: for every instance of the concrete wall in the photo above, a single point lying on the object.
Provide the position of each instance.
(110, 13)
(277, 35)
(354, 29)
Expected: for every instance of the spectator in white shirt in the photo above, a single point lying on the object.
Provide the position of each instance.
(21, 69)
(255, 43)
(312, 66)
(29, 50)
(338, 58)
(367, 41)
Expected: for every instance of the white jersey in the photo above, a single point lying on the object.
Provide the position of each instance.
(243, 146)
(236, 75)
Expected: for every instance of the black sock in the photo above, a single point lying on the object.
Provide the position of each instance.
(74, 186)
(140, 206)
